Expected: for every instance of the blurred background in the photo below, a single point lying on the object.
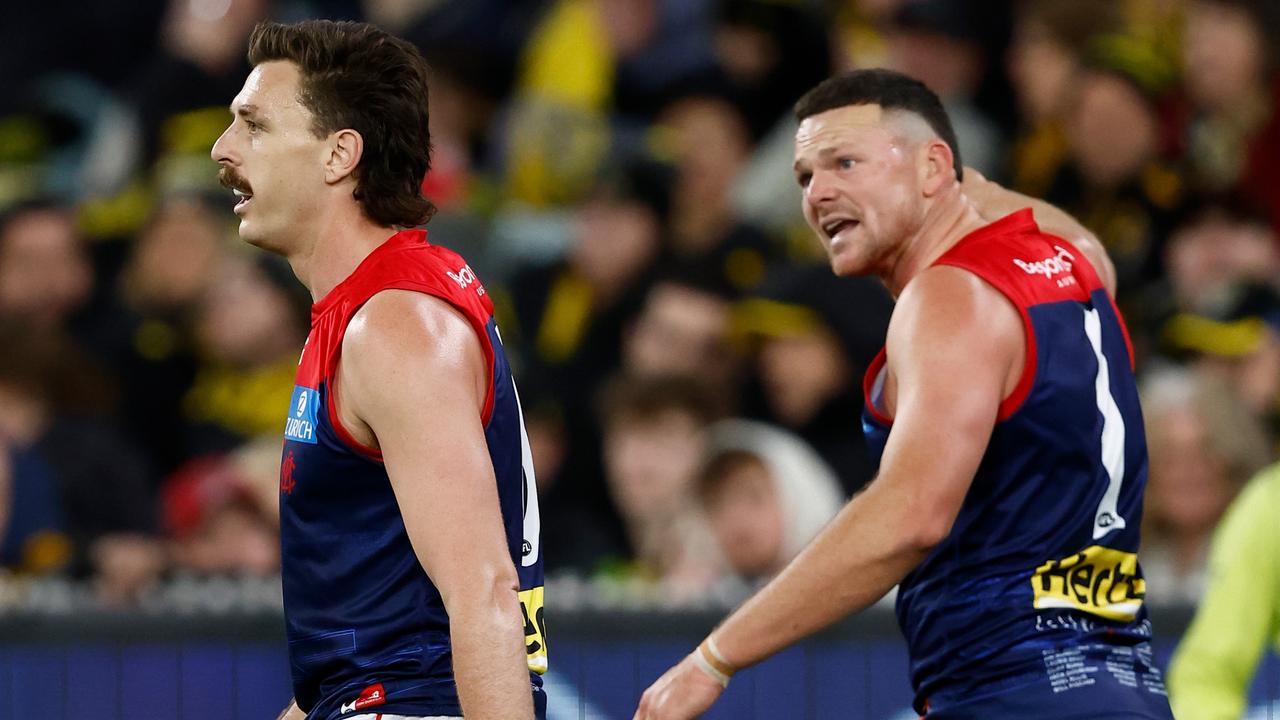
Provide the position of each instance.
(618, 174)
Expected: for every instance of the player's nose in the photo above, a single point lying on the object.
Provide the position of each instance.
(221, 150)
(821, 188)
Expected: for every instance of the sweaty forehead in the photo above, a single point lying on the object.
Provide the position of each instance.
(826, 126)
(827, 131)
(271, 86)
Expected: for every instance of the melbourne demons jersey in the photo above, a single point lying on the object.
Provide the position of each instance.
(367, 629)
(1043, 554)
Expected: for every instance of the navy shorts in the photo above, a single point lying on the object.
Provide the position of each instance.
(1086, 682)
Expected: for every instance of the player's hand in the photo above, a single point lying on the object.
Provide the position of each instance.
(682, 693)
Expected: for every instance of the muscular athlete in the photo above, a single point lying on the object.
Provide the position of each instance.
(410, 562)
(1004, 414)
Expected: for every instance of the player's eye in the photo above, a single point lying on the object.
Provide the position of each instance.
(845, 163)
(803, 179)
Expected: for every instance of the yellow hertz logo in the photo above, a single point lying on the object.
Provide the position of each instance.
(535, 629)
(1098, 580)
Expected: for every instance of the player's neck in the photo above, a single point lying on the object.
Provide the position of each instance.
(946, 222)
(339, 244)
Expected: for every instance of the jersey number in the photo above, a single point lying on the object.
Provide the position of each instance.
(1107, 517)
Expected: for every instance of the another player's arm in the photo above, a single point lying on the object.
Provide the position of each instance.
(952, 347)
(293, 712)
(413, 371)
(995, 201)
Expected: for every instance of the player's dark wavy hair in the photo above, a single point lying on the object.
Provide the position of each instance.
(359, 77)
(890, 90)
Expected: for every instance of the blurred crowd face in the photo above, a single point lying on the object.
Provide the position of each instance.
(1112, 129)
(1041, 70)
(1189, 487)
(1207, 256)
(271, 156)
(244, 319)
(616, 240)
(746, 518)
(44, 271)
(1222, 54)
(861, 186)
(650, 463)
(712, 144)
(681, 331)
(801, 374)
(173, 255)
(949, 66)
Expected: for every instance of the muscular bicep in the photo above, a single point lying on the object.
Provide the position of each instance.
(414, 373)
(953, 346)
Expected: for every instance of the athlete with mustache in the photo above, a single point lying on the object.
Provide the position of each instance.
(409, 525)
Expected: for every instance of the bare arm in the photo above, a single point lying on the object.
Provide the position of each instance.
(414, 373)
(948, 324)
(994, 201)
(293, 712)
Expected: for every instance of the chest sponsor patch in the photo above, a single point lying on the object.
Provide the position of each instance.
(301, 423)
(1098, 580)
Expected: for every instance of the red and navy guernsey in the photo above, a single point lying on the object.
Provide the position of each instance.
(367, 629)
(1042, 559)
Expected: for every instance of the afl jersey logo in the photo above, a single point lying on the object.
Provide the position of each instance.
(301, 423)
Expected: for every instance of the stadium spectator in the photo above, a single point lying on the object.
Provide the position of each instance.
(766, 494)
(682, 329)
(1050, 42)
(1232, 69)
(249, 325)
(1202, 450)
(654, 436)
(78, 493)
(817, 335)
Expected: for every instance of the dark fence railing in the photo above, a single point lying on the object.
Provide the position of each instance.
(200, 665)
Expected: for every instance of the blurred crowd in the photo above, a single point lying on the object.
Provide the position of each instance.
(618, 173)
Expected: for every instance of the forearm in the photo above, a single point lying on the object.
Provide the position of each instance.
(489, 662)
(854, 561)
(994, 201)
(293, 712)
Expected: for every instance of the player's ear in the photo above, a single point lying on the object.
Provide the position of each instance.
(345, 148)
(938, 169)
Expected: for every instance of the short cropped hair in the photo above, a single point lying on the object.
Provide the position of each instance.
(357, 76)
(890, 90)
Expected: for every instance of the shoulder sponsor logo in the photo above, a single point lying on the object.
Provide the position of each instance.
(465, 277)
(1099, 580)
(301, 423)
(1050, 266)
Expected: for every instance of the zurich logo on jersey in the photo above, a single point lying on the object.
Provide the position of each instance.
(301, 423)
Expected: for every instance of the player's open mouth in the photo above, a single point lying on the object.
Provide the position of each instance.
(242, 198)
(836, 226)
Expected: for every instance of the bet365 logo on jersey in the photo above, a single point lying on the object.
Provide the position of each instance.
(1098, 580)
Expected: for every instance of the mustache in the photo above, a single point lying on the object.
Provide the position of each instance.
(228, 179)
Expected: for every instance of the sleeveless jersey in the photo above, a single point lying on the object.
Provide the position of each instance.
(367, 629)
(1043, 554)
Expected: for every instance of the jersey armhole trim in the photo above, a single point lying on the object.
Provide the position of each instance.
(868, 387)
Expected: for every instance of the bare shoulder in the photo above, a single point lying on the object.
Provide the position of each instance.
(947, 312)
(400, 343)
(1097, 256)
(950, 300)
